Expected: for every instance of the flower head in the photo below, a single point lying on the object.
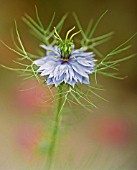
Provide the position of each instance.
(71, 69)
(64, 64)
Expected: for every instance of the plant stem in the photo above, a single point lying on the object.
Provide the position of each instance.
(55, 130)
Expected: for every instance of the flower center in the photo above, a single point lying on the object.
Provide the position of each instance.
(66, 45)
(66, 49)
(65, 59)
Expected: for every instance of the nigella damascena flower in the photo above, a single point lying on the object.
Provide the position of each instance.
(71, 70)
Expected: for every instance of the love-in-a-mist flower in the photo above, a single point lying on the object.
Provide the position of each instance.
(64, 64)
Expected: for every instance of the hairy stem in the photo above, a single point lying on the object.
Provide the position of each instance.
(55, 130)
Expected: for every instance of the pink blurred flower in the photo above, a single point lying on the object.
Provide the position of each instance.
(28, 136)
(32, 97)
(113, 131)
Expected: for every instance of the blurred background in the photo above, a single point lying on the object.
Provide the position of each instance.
(108, 137)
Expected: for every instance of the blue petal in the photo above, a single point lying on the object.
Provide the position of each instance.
(58, 81)
(47, 71)
(66, 76)
(79, 50)
(72, 82)
(79, 69)
(71, 72)
(59, 70)
(49, 81)
(48, 48)
(78, 77)
(51, 50)
(47, 65)
(40, 61)
(90, 54)
(84, 61)
(85, 80)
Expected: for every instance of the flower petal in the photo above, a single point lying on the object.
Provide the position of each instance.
(49, 81)
(79, 69)
(40, 61)
(85, 80)
(47, 65)
(47, 71)
(84, 61)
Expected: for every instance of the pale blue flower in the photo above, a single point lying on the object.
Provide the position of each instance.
(75, 69)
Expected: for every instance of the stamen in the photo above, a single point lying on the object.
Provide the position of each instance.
(65, 59)
(74, 58)
(66, 45)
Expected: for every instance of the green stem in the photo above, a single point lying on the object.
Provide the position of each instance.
(55, 130)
